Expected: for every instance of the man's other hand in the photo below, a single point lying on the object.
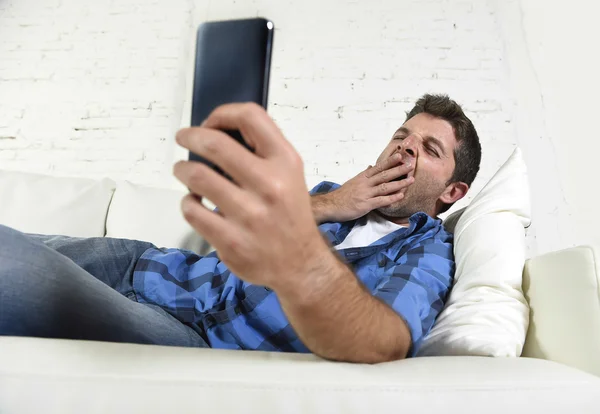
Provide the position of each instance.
(373, 188)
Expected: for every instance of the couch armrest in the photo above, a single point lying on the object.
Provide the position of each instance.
(563, 291)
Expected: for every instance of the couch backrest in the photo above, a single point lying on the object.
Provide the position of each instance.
(82, 207)
(35, 203)
(151, 214)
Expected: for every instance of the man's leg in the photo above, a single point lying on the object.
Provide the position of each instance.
(109, 260)
(43, 293)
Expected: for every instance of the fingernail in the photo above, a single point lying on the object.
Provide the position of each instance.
(203, 123)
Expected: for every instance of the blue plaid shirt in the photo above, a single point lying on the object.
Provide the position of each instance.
(410, 269)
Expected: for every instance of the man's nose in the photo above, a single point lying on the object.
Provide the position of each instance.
(409, 146)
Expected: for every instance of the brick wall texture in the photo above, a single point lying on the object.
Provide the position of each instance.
(98, 88)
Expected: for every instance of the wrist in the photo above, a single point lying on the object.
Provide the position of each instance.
(322, 207)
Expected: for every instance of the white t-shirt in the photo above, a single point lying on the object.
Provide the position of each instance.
(367, 230)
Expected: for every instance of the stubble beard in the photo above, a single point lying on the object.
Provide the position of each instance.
(400, 209)
(414, 201)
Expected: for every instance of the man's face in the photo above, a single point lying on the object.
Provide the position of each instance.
(429, 143)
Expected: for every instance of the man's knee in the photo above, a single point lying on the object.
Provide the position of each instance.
(6, 234)
(29, 268)
(32, 284)
(21, 259)
(13, 245)
(16, 247)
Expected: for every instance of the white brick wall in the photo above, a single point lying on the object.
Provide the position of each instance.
(92, 88)
(344, 73)
(99, 88)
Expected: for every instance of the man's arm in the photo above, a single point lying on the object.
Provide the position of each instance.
(322, 208)
(337, 318)
(272, 241)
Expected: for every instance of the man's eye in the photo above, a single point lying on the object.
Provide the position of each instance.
(432, 151)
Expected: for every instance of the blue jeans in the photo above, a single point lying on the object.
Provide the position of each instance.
(77, 288)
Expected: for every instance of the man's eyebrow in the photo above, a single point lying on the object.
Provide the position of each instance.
(433, 140)
(403, 130)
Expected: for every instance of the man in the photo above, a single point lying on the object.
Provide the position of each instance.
(274, 282)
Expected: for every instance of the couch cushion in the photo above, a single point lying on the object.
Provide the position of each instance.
(35, 203)
(486, 313)
(153, 215)
(62, 376)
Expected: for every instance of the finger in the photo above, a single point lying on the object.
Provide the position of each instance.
(213, 227)
(391, 187)
(257, 128)
(365, 172)
(205, 182)
(384, 201)
(219, 148)
(391, 173)
(384, 165)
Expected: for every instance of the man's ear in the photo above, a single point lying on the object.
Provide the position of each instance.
(454, 192)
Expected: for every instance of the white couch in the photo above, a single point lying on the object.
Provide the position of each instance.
(64, 376)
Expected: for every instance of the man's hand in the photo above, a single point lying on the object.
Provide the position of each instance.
(264, 230)
(369, 190)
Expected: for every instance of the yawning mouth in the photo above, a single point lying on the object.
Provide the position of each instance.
(402, 177)
(410, 174)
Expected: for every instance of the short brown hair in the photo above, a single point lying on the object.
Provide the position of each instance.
(467, 155)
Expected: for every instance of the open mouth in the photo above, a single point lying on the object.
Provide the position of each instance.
(409, 174)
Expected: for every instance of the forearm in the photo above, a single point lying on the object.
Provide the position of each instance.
(338, 319)
(321, 208)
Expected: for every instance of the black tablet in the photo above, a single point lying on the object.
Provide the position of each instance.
(233, 60)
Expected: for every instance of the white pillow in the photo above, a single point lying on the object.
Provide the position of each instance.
(35, 203)
(153, 215)
(486, 313)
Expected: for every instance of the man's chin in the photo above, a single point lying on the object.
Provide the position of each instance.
(394, 210)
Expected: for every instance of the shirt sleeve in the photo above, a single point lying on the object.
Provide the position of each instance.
(324, 187)
(417, 286)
